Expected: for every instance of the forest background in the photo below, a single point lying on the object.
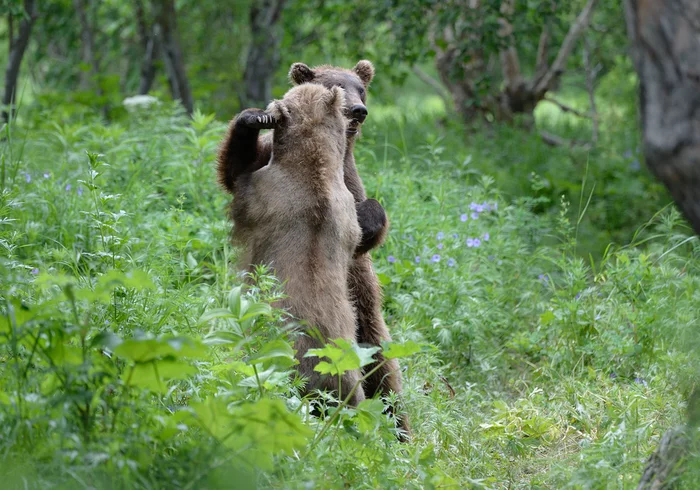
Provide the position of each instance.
(540, 285)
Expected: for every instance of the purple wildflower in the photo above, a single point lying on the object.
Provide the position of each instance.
(35, 271)
(475, 215)
(487, 237)
(391, 259)
(455, 236)
(479, 208)
(613, 375)
(451, 262)
(578, 296)
(436, 258)
(641, 382)
(439, 246)
(28, 177)
(473, 206)
(80, 191)
(477, 242)
(47, 175)
(463, 218)
(440, 235)
(486, 206)
(68, 186)
(544, 278)
(470, 242)
(417, 259)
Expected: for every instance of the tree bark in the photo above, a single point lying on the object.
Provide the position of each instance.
(18, 46)
(148, 37)
(263, 54)
(665, 48)
(172, 53)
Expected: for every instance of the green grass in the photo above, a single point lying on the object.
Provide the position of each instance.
(541, 366)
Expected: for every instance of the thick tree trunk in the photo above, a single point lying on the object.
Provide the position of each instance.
(172, 54)
(18, 46)
(263, 54)
(665, 48)
(665, 37)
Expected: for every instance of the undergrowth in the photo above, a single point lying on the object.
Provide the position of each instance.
(132, 356)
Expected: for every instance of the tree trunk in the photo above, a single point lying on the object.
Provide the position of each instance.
(665, 48)
(18, 46)
(518, 95)
(148, 37)
(263, 54)
(172, 54)
(665, 37)
(87, 46)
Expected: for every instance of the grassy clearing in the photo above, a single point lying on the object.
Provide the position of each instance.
(130, 359)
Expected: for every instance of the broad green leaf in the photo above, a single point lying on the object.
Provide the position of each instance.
(221, 338)
(368, 415)
(397, 351)
(278, 351)
(215, 314)
(234, 301)
(153, 375)
(106, 339)
(342, 357)
(62, 353)
(144, 350)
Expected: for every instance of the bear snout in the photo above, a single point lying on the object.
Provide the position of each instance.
(359, 112)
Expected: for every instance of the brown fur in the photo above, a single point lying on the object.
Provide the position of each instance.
(244, 151)
(296, 215)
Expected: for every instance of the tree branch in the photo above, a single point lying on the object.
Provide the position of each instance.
(557, 68)
(542, 53)
(568, 108)
(434, 84)
(554, 140)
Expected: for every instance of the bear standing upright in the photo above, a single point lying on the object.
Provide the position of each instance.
(296, 215)
(244, 151)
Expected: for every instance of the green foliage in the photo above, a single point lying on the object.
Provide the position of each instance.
(132, 356)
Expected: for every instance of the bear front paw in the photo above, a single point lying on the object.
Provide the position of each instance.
(257, 119)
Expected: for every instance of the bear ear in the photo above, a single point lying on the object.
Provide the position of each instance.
(336, 98)
(364, 70)
(300, 73)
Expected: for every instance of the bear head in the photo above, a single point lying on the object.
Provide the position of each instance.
(355, 83)
(310, 109)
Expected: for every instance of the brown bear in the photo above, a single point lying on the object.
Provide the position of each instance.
(244, 150)
(296, 215)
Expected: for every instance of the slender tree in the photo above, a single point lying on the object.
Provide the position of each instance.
(665, 49)
(18, 45)
(166, 31)
(148, 39)
(263, 54)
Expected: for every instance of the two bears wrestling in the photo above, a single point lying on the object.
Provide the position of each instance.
(299, 206)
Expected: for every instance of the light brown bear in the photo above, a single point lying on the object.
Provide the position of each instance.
(244, 150)
(297, 216)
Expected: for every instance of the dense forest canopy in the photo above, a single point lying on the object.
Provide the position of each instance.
(537, 161)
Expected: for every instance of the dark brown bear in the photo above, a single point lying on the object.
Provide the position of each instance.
(244, 151)
(297, 216)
